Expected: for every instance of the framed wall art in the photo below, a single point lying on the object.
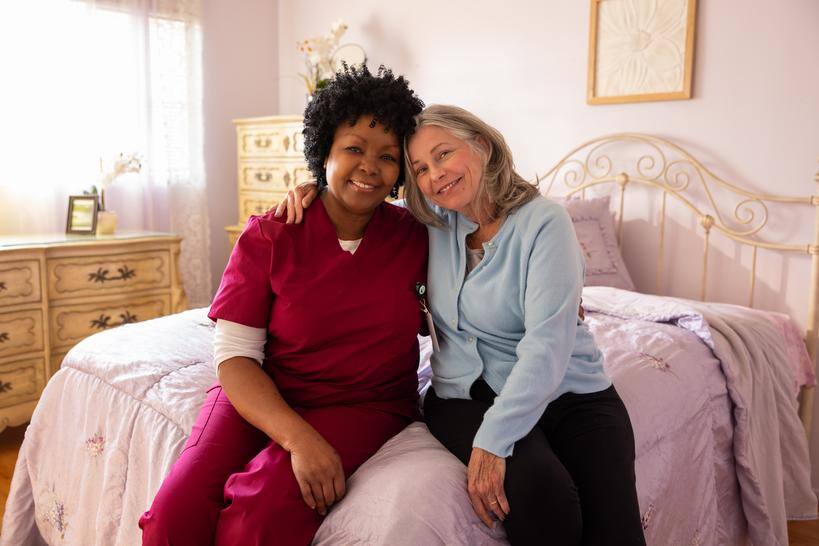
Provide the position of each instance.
(640, 50)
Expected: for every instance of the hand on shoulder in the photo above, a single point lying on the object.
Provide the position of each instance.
(297, 199)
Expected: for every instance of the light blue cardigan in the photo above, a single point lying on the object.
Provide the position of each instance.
(512, 320)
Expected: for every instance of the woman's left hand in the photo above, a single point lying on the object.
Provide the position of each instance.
(485, 475)
(297, 199)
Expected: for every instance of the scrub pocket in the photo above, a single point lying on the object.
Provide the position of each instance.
(205, 413)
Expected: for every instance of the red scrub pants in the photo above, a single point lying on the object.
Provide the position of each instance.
(233, 486)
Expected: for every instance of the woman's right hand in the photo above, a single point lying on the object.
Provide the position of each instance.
(485, 476)
(298, 199)
(318, 470)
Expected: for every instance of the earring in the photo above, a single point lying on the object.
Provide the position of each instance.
(394, 191)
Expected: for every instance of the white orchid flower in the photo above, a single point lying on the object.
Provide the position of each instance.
(122, 165)
(319, 55)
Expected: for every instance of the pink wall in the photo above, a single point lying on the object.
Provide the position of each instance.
(522, 66)
(240, 70)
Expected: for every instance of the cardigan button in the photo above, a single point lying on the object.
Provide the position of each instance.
(471, 339)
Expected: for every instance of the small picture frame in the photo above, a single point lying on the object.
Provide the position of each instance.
(82, 214)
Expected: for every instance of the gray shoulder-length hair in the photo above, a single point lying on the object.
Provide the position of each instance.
(503, 189)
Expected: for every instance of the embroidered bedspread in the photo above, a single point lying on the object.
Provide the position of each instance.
(763, 362)
(112, 421)
(106, 431)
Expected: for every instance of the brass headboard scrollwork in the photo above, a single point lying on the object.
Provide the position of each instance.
(657, 163)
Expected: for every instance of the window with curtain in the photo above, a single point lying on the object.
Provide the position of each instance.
(82, 82)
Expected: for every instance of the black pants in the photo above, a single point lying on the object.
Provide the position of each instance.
(570, 480)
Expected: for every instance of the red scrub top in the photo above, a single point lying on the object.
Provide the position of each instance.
(342, 328)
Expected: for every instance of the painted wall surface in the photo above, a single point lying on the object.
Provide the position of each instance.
(240, 70)
(522, 66)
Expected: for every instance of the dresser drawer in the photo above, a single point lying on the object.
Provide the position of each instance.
(55, 362)
(115, 273)
(21, 332)
(271, 140)
(21, 381)
(19, 282)
(233, 233)
(251, 203)
(271, 176)
(71, 323)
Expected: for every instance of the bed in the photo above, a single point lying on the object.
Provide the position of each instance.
(715, 392)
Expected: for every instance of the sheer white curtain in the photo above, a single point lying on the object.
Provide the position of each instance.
(89, 79)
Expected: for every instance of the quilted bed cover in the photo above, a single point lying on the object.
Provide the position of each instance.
(721, 457)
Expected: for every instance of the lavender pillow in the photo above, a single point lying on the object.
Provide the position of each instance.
(594, 226)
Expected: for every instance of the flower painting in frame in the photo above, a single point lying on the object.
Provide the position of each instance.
(82, 214)
(640, 50)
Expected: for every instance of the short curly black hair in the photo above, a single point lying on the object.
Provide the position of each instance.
(352, 93)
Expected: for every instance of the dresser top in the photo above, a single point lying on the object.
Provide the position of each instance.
(269, 120)
(60, 239)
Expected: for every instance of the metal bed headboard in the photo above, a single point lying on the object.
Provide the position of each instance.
(675, 174)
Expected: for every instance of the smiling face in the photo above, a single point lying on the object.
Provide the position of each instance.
(362, 166)
(448, 170)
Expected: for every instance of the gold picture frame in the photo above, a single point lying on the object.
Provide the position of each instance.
(82, 214)
(640, 50)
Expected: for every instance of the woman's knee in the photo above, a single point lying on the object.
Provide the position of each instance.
(266, 490)
(188, 501)
(179, 516)
(543, 498)
(542, 508)
(161, 527)
(265, 506)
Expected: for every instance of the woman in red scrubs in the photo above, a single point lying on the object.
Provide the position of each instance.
(273, 444)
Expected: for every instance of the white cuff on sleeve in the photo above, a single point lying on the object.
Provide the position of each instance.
(234, 339)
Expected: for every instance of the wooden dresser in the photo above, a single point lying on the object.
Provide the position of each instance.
(56, 290)
(270, 160)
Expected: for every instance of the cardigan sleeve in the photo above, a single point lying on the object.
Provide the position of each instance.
(244, 295)
(554, 284)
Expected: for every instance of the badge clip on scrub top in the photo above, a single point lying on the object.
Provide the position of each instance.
(421, 292)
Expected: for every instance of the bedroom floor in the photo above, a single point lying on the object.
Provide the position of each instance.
(804, 533)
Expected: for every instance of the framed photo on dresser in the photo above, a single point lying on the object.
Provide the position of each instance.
(82, 214)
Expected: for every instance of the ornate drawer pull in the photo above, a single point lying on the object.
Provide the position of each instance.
(104, 321)
(262, 142)
(5, 387)
(3, 286)
(4, 337)
(263, 177)
(101, 275)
